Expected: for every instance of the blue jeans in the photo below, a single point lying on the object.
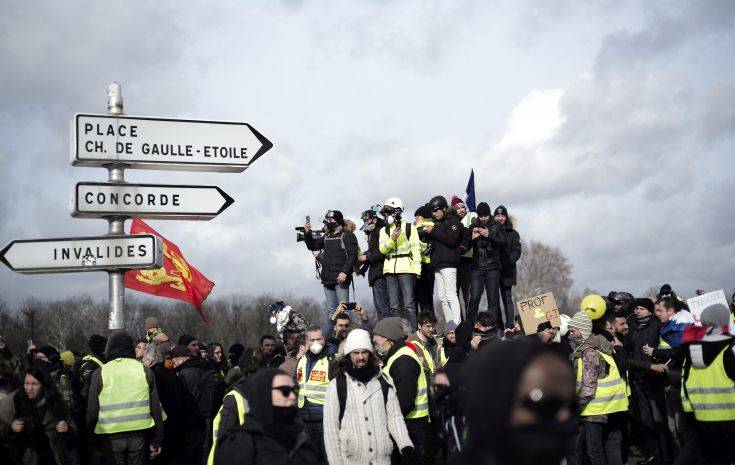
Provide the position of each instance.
(490, 281)
(400, 288)
(335, 293)
(380, 298)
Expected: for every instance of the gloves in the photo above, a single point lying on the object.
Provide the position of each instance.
(408, 456)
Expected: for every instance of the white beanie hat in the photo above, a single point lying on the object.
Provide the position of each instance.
(357, 339)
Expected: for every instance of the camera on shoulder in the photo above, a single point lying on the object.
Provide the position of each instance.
(301, 234)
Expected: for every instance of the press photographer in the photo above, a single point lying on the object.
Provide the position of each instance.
(338, 258)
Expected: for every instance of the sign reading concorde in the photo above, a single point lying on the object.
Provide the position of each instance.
(164, 143)
(154, 201)
(74, 254)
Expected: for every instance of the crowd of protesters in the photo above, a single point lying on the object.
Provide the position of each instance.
(622, 374)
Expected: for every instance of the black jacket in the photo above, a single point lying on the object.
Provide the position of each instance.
(446, 237)
(252, 445)
(335, 258)
(374, 257)
(486, 250)
(405, 372)
(510, 254)
(181, 407)
(638, 362)
(263, 439)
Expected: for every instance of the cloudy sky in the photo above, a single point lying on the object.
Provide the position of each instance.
(607, 128)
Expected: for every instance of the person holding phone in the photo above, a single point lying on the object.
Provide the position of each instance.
(339, 252)
(488, 236)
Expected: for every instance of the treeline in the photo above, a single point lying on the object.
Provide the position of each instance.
(68, 323)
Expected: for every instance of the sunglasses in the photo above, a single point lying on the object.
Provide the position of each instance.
(545, 406)
(286, 390)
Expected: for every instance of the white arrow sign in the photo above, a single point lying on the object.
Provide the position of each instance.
(141, 251)
(154, 201)
(164, 143)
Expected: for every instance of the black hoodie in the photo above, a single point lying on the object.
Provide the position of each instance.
(374, 256)
(263, 439)
(121, 345)
(493, 378)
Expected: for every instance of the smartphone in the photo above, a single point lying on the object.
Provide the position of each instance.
(350, 305)
(308, 219)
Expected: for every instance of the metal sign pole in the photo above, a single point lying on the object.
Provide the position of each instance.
(117, 223)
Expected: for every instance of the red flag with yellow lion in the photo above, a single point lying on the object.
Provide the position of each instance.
(175, 279)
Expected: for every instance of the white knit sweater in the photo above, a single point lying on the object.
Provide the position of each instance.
(367, 426)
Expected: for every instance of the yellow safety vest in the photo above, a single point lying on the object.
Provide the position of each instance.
(443, 357)
(662, 344)
(466, 222)
(611, 393)
(423, 245)
(421, 404)
(315, 388)
(242, 410)
(125, 398)
(710, 392)
(91, 357)
(430, 366)
(402, 255)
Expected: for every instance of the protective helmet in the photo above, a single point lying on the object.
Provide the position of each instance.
(335, 215)
(438, 202)
(594, 305)
(395, 203)
(624, 299)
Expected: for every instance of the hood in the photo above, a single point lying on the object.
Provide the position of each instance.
(463, 334)
(493, 377)
(120, 345)
(258, 394)
(509, 222)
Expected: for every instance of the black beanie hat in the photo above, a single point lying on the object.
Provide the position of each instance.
(423, 212)
(483, 209)
(646, 303)
(501, 210)
(186, 339)
(97, 344)
(51, 353)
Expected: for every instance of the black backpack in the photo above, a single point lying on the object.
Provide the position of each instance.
(342, 393)
(211, 392)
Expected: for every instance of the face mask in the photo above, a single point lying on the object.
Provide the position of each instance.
(550, 442)
(285, 414)
(368, 228)
(390, 220)
(331, 226)
(381, 350)
(316, 348)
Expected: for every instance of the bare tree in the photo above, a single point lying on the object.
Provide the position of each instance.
(541, 269)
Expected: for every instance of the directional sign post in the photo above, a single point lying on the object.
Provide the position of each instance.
(75, 254)
(165, 143)
(148, 201)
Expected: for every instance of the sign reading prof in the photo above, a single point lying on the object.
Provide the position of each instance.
(164, 143)
(83, 254)
(537, 310)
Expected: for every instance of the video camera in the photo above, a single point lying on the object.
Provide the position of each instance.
(301, 234)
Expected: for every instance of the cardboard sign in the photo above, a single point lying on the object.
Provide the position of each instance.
(699, 303)
(537, 310)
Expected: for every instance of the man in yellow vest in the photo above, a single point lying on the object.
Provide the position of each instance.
(313, 372)
(709, 383)
(403, 369)
(399, 242)
(124, 409)
(423, 339)
(601, 391)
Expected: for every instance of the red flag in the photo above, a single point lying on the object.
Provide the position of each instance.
(175, 279)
